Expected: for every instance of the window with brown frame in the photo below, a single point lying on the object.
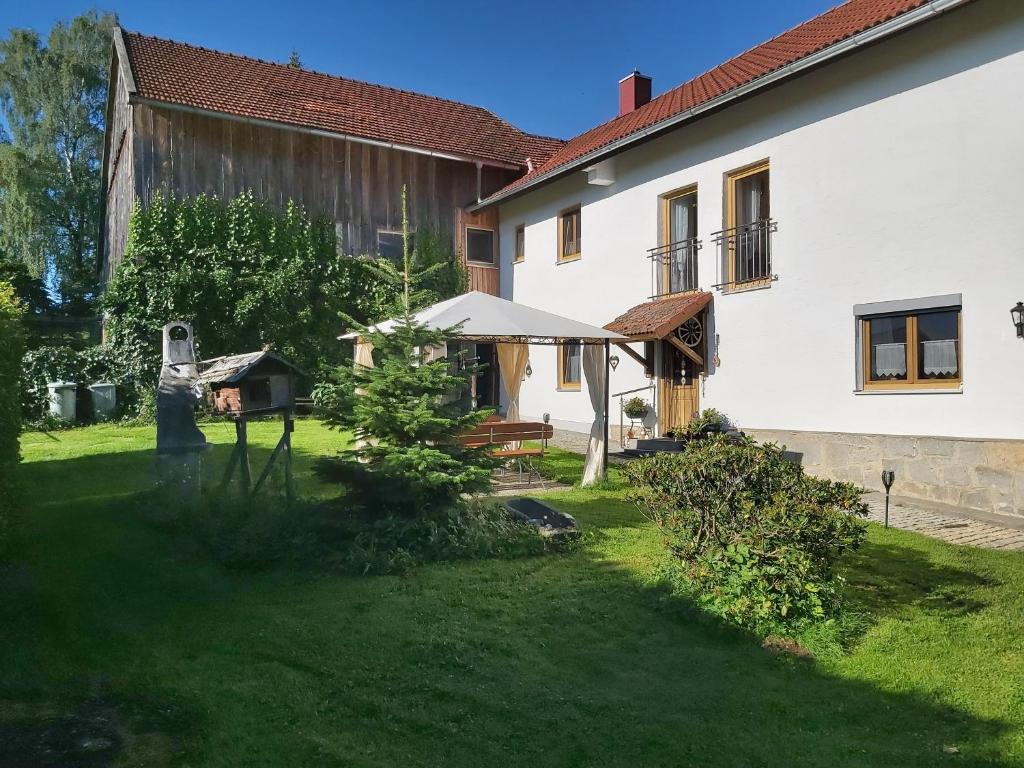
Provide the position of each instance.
(746, 238)
(919, 350)
(480, 246)
(570, 239)
(570, 362)
(520, 244)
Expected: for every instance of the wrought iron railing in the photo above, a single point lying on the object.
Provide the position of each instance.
(746, 253)
(674, 266)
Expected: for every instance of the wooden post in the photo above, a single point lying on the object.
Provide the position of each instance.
(289, 481)
(607, 400)
(243, 454)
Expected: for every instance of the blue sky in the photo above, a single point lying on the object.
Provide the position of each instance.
(550, 68)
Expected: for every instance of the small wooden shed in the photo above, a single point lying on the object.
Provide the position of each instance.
(255, 381)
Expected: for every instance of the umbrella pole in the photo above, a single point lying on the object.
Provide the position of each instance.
(607, 399)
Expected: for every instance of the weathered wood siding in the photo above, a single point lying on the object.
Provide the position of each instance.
(481, 278)
(119, 183)
(358, 185)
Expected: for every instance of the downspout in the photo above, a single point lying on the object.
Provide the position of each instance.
(479, 182)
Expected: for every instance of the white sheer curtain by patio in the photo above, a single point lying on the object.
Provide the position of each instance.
(512, 361)
(593, 370)
(363, 355)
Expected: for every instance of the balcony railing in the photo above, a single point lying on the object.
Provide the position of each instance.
(674, 266)
(746, 253)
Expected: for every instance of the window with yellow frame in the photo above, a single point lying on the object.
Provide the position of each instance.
(570, 234)
(570, 365)
(748, 227)
(520, 254)
(918, 350)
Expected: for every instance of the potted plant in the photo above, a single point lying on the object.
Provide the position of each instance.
(635, 408)
(707, 422)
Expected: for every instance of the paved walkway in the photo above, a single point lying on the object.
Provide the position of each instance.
(953, 524)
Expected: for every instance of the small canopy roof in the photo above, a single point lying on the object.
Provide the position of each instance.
(234, 368)
(657, 319)
(489, 318)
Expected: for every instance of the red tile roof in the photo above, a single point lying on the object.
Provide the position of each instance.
(178, 73)
(831, 27)
(656, 319)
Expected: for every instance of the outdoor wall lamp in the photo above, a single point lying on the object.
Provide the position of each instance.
(529, 369)
(613, 361)
(1017, 313)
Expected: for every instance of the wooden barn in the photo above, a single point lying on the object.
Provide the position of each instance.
(195, 120)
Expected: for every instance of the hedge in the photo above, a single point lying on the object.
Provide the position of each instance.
(12, 341)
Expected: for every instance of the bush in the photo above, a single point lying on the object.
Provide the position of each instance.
(753, 538)
(11, 346)
(467, 531)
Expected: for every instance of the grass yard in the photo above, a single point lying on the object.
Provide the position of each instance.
(567, 660)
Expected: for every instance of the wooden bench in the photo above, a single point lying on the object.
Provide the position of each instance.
(501, 434)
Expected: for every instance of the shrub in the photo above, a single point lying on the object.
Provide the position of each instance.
(11, 345)
(469, 531)
(753, 538)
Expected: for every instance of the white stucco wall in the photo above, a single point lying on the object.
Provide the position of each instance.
(895, 173)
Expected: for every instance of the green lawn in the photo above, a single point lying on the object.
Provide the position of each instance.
(565, 660)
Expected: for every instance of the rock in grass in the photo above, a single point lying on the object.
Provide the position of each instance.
(548, 521)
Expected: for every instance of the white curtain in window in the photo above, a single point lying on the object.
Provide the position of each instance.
(890, 359)
(680, 224)
(593, 368)
(680, 231)
(939, 357)
(572, 363)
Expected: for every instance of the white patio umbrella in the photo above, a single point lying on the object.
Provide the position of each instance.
(491, 319)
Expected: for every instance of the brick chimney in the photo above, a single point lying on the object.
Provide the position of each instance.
(634, 91)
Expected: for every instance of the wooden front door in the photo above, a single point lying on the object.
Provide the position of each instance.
(679, 389)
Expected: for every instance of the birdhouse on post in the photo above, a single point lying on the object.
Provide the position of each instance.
(253, 384)
(249, 383)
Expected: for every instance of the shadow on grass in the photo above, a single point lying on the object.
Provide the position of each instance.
(886, 579)
(563, 661)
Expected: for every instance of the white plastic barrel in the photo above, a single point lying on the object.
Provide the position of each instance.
(104, 400)
(62, 399)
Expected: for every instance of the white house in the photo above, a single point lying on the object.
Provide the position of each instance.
(834, 219)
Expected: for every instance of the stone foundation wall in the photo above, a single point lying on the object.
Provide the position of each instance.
(985, 475)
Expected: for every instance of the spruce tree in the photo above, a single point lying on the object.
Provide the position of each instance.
(406, 414)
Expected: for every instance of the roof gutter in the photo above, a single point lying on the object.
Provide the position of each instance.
(318, 132)
(876, 33)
